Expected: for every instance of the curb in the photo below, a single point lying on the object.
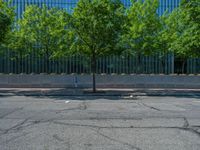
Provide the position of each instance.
(123, 94)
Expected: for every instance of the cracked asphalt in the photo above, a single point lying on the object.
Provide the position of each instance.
(99, 123)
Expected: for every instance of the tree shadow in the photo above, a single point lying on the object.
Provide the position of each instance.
(68, 94)
(102, 94)
(82, 98)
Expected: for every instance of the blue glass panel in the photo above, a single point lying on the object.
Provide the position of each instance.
(70, 4)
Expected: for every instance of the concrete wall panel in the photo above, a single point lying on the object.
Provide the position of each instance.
(123, 81)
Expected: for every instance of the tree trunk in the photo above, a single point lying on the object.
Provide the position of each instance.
(163, 65)
(139, 64)
(128, 66)
(183, 67)
(93, 67)
(47, 61)
(94, 82)
(48, 71)
(21, 63)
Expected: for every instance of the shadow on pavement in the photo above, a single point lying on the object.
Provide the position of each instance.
(82, 98)
(106, 93)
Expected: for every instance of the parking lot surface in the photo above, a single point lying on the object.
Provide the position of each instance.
(99, 123)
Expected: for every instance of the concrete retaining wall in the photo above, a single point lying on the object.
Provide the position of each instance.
(124, 81)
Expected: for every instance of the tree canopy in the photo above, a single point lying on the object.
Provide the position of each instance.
(6, 19)
(142, 28)
(42, 30)
(183, 30)
(98, 26)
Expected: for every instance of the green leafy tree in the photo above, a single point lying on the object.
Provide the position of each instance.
(163, 41)
(98, 26)
(142, 29)
(42, 30)
(6, 19)
(184, 30)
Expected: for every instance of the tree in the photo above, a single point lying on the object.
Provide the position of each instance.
(6, 18)
(98, 25)
(42, 30)
(142, 29)
(163, 40)
(184, 30)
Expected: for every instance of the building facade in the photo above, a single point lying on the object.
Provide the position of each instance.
(76, 64)
(70, 4)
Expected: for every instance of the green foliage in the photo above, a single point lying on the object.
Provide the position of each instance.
(142, 27)
(184, 30)
(102, 27)
(42, 30)
(98, 25)
(163, 41)
(6, 19)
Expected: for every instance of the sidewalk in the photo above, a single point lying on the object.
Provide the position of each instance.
(101, 92)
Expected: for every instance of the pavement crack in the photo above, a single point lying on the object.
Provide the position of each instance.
(56, 137)
(9, 113)
(16, 127)
(14, 138)
(151, 107)
(192, 130)
(83, 106)
(25, 123)
(185, 127)
(70, 109)
(94, 126)
(78, 125)
(115, 127)
(196, 126)
(116, 140)
(186, 123)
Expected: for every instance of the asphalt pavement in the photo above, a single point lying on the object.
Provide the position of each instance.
(100, 92)
(128, 122)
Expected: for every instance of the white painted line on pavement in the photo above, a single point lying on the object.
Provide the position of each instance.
(66, 102)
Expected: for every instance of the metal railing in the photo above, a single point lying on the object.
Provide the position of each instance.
(124, 64)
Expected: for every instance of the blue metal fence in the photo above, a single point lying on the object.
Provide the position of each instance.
(11, 63)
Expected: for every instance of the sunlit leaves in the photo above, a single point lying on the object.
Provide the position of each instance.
(184, 30)
(6, 19)
(98, 25)
(143, 26)
(42, 30)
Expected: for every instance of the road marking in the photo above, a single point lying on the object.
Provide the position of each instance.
(66, 102)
